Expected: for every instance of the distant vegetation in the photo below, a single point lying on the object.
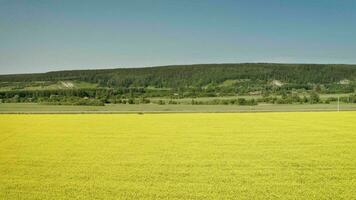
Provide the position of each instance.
(268, 83)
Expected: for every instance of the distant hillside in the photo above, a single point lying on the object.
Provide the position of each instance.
(266, 83)
(201, 75)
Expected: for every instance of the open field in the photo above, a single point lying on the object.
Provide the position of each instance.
(295, 155)
(205, 99)
(154, 108)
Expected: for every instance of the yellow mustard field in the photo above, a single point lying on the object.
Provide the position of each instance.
(310, 155)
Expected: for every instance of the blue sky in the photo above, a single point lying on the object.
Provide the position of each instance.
(39, 36)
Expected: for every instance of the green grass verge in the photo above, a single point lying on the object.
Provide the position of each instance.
(122, 108)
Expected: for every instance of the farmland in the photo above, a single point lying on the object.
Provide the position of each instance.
(28, 108)
(296, 155)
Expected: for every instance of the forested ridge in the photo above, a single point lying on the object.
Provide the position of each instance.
(268, 82)
(198, 75)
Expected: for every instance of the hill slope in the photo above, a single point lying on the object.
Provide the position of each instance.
(292, 83)
(198, 75)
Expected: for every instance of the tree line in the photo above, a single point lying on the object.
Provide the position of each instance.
(100, 97)
(182, 76)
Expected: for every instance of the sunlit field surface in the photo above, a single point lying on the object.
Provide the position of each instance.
(310, 155)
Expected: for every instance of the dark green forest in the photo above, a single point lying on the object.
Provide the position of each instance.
(290, 82)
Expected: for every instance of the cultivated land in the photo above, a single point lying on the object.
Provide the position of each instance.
(154, 108)
(299, 155)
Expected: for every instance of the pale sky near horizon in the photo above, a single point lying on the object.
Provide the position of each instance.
(41, 35)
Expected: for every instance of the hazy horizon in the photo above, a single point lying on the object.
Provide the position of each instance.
(42, 36)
